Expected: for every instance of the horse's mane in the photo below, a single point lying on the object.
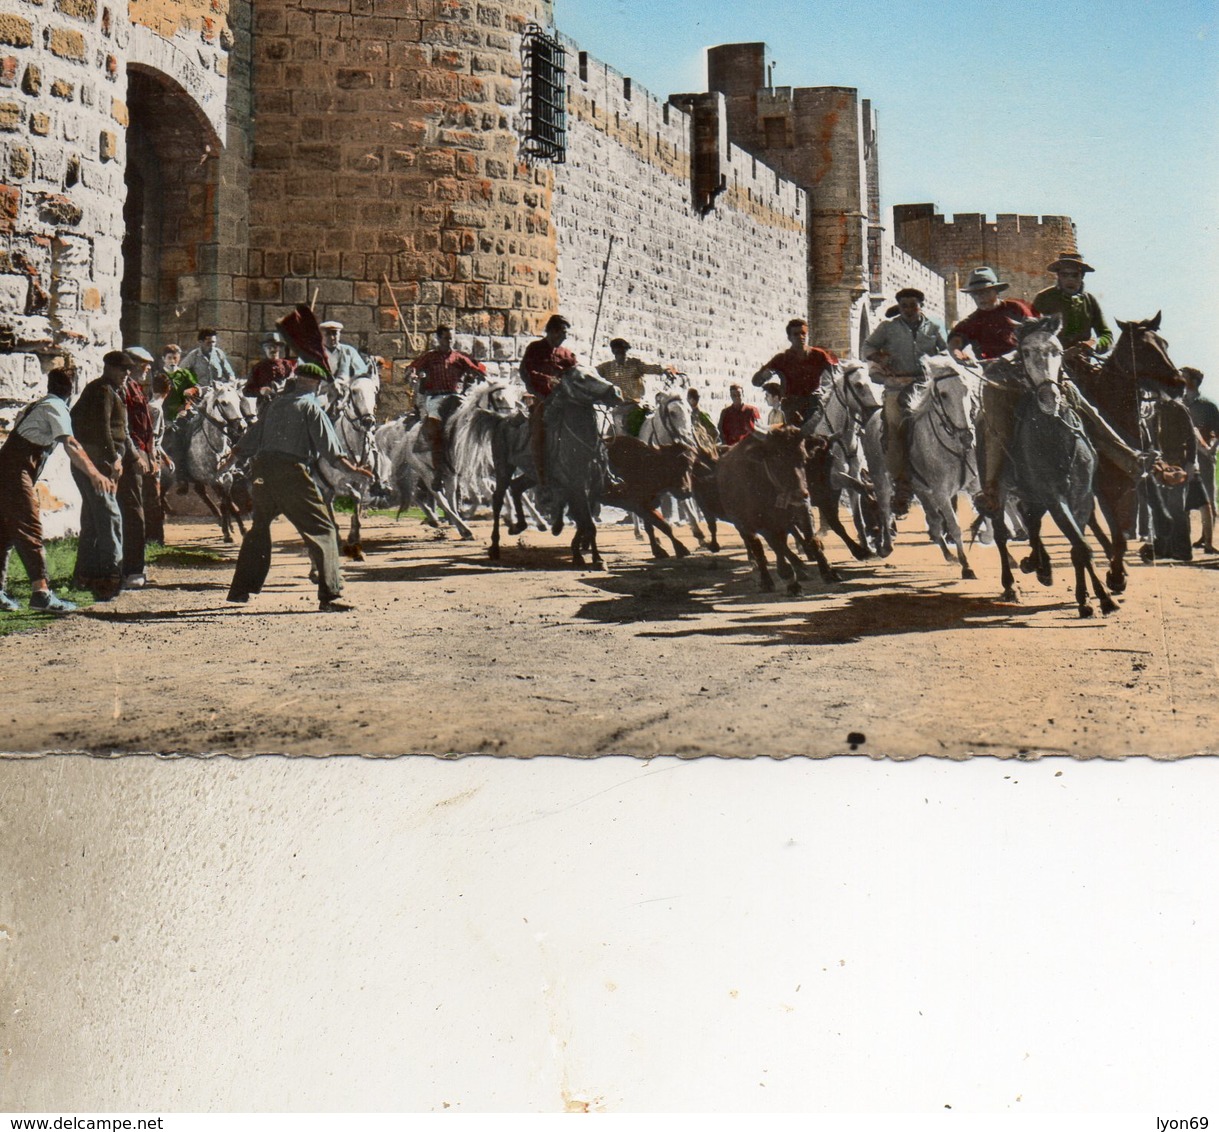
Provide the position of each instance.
(471, 428)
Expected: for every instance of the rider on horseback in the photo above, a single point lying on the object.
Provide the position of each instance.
(1083, 322)
(443, 373)
(894, 349)
(627, 374)
(803, 368)
(543, 363)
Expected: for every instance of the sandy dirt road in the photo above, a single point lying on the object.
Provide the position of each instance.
(451, 654)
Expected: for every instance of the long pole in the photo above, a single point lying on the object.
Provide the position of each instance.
(601, 294)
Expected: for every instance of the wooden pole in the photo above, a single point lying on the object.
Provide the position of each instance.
(601, 298)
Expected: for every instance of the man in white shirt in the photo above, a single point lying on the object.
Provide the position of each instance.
(35, 433)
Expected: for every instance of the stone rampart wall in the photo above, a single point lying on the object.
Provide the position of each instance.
(708, 294)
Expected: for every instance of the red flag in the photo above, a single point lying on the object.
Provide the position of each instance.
(304, 335)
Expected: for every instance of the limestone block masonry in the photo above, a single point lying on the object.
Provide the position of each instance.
(386, 170)
(710, 293)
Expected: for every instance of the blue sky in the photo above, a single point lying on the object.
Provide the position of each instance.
(1105, 112)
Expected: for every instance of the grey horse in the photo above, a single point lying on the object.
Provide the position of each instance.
(199, 440)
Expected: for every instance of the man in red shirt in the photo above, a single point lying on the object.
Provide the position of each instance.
(991, 331)
(739, 419)
(271, 368)
(801, 367)
(543, 363)
(443, 373)
(140, 462)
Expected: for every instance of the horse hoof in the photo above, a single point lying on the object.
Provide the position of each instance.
(467, 537)
(1027, 565)
(1086, 611)
(1009, 595)
(1107, 607)
(682, 551)
(794, 588)
(1045, 577)
(969, 575)
(517, 528)
(714, 547)
(660, 553)
(227, 538)
(493, 554)
(831, 576)
(639, 536)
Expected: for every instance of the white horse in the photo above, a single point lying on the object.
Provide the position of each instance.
(851, 420)
(943, 458)
(352, 407)
(199, 440)
(671, 423)
(409, 456)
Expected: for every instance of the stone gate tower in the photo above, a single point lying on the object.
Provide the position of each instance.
(387, 167)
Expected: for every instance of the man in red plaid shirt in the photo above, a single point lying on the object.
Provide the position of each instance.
(443, 372)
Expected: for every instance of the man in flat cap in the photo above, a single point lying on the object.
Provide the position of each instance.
(345, 360)
(894, 349)
(99, 422)
(139, 465)
(627, 374)
(1083, 322)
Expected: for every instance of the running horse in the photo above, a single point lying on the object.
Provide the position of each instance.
(1051, 468)
(943, 458)
(577, 469)
(1139, 365)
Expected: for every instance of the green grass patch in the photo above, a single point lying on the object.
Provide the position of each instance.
(61, 562)
(344, 506)
(187, 557)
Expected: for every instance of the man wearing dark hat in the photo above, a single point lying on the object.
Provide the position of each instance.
(139, 463)
(894, 349)
(99, 421)
(286, 442)
(272, 367)
(802, 368)
(543, 363)
(443, 373)
(23, 456)
(1083, 322)
(990, 330)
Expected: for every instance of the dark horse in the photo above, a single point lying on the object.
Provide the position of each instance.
(1138, 365)
(577, 468)
(1051, 468)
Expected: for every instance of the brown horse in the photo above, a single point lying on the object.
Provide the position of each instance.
(645, 474)
(1138, 366)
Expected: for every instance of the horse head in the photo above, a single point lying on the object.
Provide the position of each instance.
(863, 394)
(222, 403)
(1142, 355)
(674, 413)
(950, 391)
(361, 400)
(496, 397)
(587, 387)
(1040, 350)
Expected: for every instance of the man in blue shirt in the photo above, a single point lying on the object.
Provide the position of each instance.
(286, 442)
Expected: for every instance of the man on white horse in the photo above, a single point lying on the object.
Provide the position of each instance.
(894, 349)
(443, 373)
(345, 360)
(627, 374)
(545, 360)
